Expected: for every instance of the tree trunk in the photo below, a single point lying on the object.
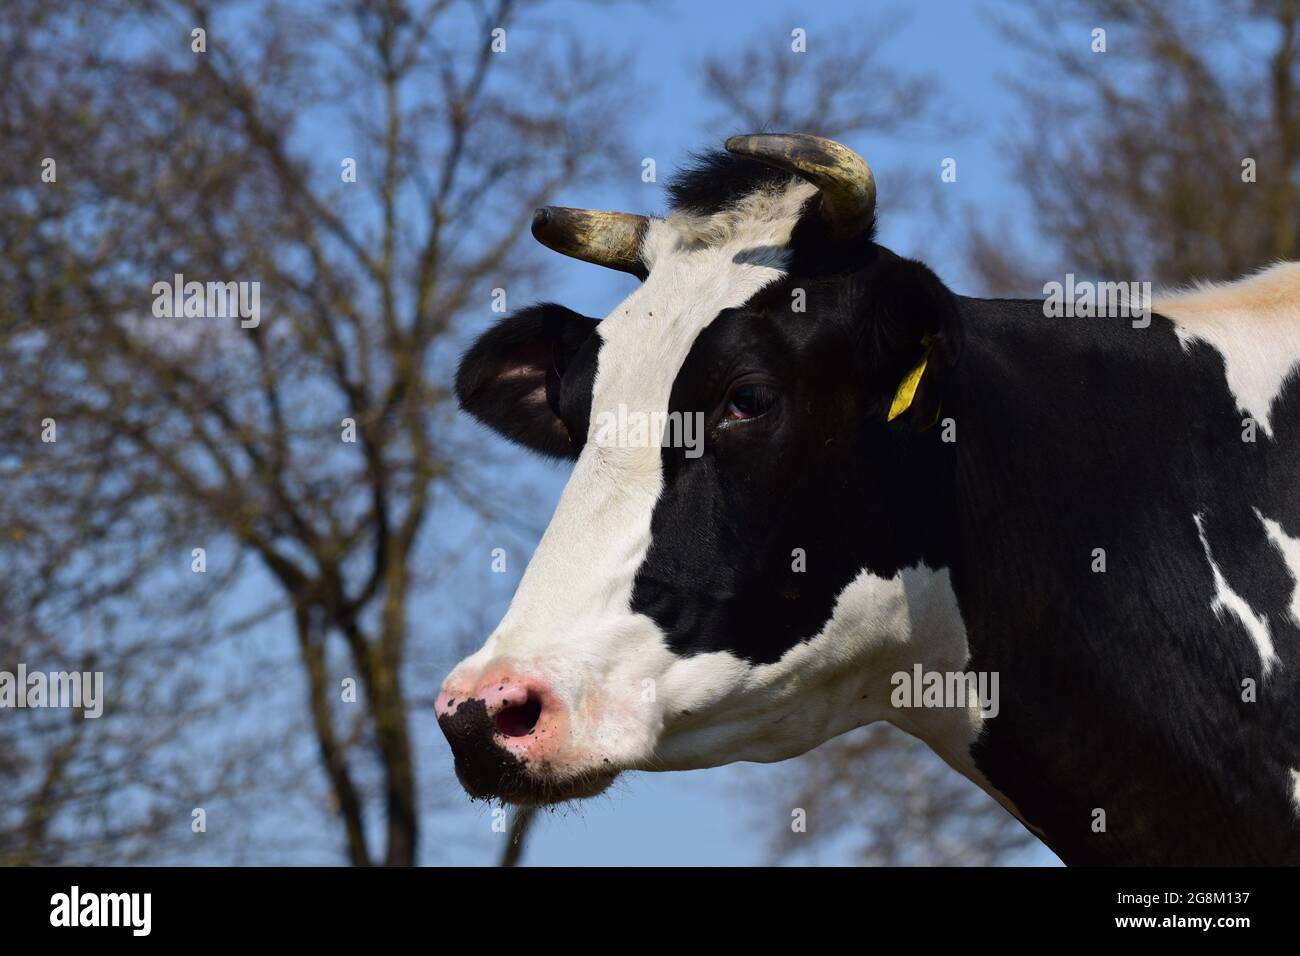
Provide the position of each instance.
(519, 827)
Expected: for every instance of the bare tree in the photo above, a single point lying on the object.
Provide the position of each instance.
(832, 82)
(315, 437)
(839, 83)
(895, 803)
(1155, 143)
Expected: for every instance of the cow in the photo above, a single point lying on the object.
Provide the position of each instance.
(894, 484)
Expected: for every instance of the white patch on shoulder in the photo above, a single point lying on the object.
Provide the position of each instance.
(1225, 598)
(1254, 323)
(1290, 548)
(1295, 790)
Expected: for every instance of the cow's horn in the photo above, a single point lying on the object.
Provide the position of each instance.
(610, 239)
(847, 187)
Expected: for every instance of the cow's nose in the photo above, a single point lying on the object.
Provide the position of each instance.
(513, 706)
(489, 730)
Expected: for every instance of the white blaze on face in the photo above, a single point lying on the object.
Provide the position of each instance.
(631, 702)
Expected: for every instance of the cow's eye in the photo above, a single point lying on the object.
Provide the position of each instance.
(750, 400)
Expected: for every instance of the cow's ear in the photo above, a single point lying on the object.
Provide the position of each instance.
(914, 337)
(512, 377)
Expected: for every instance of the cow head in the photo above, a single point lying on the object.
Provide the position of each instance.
(752, 538)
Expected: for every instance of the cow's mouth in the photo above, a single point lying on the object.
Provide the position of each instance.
(489, 768)
(523, 786)
(539, 791)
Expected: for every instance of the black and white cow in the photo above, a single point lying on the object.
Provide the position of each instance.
(1106, 518)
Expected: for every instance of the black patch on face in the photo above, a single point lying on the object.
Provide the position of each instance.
(819, 474)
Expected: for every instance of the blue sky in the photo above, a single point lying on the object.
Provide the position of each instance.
(703, 817)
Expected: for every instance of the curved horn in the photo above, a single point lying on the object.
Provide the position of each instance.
(610, 239)
(847, 187)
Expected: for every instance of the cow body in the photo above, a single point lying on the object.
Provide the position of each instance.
(1086, 524)
(1123, 690)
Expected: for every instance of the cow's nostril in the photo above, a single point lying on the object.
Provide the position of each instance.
(518, 720)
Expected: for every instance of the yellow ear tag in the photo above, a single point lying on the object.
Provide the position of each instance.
(907, 387)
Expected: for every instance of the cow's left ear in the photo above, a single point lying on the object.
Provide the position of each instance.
(512, 378)
(914, 339)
